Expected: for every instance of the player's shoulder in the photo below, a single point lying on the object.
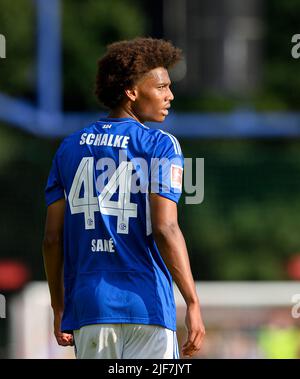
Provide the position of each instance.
(167, 140)
(158, 139)
(161, 136)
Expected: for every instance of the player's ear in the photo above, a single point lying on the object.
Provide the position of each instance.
(131, 93)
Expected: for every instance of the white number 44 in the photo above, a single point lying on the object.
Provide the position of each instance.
(88, 204)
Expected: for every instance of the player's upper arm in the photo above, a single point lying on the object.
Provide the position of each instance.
(163, 213)
(55, 222)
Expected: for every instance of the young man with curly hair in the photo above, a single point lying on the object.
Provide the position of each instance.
(110, 251)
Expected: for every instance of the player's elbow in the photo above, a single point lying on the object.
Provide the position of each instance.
(165, 230)
(52, 239)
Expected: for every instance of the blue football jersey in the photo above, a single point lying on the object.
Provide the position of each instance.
(113, 271)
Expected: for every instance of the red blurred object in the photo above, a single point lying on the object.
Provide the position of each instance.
(13, 275)
(293, 267)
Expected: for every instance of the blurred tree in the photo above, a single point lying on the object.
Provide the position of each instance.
(281, 70)
(18, 26)
(87, 28)
(280, 83)
(247, 226)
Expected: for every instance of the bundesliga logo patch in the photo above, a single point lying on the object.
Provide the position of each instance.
(176, 176)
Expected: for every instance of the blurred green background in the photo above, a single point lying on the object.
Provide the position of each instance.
(248, 226)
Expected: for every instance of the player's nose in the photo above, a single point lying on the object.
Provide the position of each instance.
(170, 95)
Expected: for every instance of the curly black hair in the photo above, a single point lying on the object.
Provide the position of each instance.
(126, 62)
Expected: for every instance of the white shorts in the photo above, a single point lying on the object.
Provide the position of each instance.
(125, 341)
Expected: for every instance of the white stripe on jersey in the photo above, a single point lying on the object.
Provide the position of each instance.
(148, 217)
(174, 141)
(178, 145)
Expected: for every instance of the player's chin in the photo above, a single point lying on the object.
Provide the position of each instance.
(159, 118)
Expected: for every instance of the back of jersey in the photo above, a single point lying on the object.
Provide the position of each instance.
(113, 271)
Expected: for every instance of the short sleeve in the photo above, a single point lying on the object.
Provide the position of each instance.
(167, 168)
(54, 188)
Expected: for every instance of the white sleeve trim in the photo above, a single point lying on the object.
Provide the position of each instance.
(174, 141)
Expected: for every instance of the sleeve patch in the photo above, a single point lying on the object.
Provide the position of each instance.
(176, 176)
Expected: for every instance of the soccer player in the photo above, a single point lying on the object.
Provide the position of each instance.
(112, 242)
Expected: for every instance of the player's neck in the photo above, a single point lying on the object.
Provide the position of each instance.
(123, 113)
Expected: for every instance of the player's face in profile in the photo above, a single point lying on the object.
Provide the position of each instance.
(153, 96)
